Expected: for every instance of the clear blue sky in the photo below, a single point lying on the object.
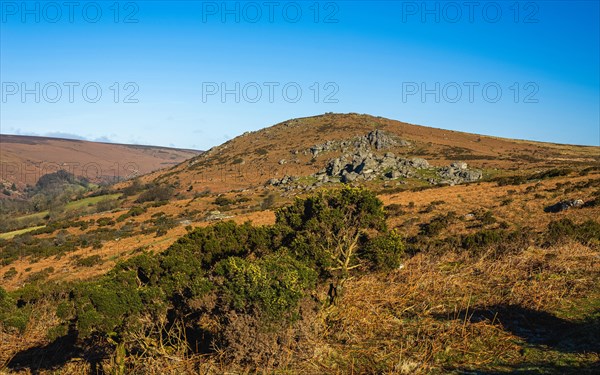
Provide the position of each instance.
(365, 57)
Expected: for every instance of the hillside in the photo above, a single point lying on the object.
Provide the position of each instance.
(330, 244)
(24, 159)
(253, 158)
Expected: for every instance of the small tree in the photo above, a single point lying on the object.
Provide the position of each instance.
(328, 227)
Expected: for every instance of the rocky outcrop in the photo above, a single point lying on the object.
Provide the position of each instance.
(216, 215)
(366, 166)
(283, 181)
(376, 139)
(458, 173)
(361, 161)
(380, 140)
(564, 205)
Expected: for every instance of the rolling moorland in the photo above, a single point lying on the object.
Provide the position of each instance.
(339, 243)
(24, 159)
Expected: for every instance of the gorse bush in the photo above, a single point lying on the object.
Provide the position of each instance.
(156, 193)
(10, 315)
(437, 224)
(272, 285)
(227, 239)
(327, 226)
(224, 201)
(384, 252)
(216, 273)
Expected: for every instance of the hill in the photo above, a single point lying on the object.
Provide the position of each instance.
(24, 159)
(302, 147)
(329, 244)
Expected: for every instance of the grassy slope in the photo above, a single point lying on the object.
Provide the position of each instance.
(534, 311)
(9, 235)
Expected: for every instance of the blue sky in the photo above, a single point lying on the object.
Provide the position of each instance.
(527, 70)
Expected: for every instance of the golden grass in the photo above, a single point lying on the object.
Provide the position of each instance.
(419, 319)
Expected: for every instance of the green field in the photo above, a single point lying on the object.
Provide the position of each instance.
(9, 235)
(90, 201)
(85, 202)
(39, 216)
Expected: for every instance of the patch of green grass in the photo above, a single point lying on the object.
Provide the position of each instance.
(85, 202)
(9, 235)
(427, 173)
(307, 180)
(35, 216)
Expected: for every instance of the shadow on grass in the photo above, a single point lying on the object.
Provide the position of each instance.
(537, 368)
(543, 330)
(56, 354)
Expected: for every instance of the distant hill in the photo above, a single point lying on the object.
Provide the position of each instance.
(252, 159)
(25, 159)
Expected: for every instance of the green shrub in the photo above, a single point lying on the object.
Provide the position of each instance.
(384, 252)
(437, 224)
(40, 275)
(223, 201)
(10, 315)
(136, 211)
(272, 285)
(586, 232)
(482, 239)
(156, 193)
(394, 209)
(487, 218)
(108, 305)
(105, 221)
(10, 274)
(90, 261)
(225, 239)
(329, 224)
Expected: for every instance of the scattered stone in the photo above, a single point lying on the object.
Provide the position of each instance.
(216, 215)
(348, 176)
(458, 172)
(419, 163)
(564, 205)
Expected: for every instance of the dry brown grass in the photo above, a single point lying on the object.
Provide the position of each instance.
(430, 316)
(221, 173)
(417, 319)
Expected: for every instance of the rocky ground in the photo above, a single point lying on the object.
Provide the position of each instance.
(365, 159)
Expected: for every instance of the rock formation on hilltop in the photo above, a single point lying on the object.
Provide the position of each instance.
(361, 161)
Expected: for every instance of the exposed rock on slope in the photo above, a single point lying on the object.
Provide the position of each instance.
(358, 162)
(458, 172)
(377, 139)
(302, 147)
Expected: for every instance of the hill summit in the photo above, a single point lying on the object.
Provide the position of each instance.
(307, 152)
